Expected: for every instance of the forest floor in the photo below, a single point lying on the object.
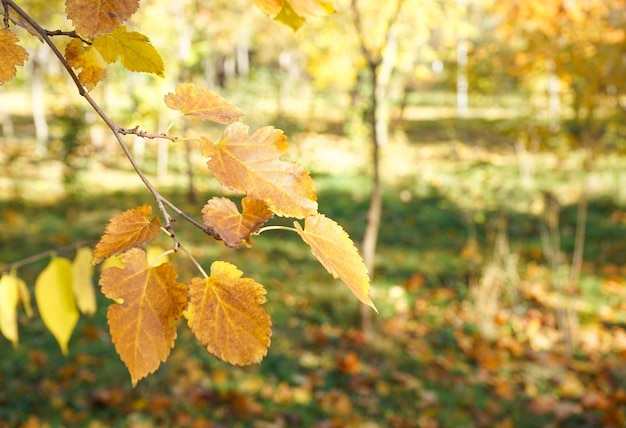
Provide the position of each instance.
(476, 327)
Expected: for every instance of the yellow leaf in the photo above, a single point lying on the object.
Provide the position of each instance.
(88, 60)
(130, 229)
(250, 164)
(154, 253)
(142, 326)
(9, 298)
(222, 215)
(55, 300)
(226, 316)
(113, 261)
(294, 12)
(289, 17)
(25, 297)
(334, 249)
(84, 291)
(92, 18)
(11, 55)
(202, 104)
(299, 8)
(134, 48)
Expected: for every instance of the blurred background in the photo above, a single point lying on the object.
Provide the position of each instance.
(491, 134)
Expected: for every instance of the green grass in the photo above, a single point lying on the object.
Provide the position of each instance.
(445, 180)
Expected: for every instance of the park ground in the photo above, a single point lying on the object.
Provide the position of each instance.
(469, 331)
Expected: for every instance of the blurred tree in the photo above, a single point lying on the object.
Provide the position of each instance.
(579, 50)
(40, 65)
(378, 42)
(571, 56)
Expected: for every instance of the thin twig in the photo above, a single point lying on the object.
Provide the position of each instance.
(144, 134)
(67, 33)
(190, 219)
(195, 262)
(42, 255)
(6, 15)
(579, 242)
(373, 56)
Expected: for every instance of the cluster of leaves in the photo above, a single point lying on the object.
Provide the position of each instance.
(98, 40)
(62, 289)
(223, 308)
(581, 43)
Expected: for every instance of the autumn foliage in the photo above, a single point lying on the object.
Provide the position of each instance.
(222, 308)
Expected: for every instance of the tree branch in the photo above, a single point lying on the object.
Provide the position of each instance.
(6, 14)
(67, 33)
(358, 24)
(144, 134)
(43, 255)
(373, 56)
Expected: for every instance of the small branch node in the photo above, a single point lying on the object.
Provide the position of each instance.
(72, 34)
(140, 133)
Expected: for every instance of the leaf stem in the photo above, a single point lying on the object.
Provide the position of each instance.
(195, 262)
(172, 123)
(187, 253)
(164, 254)
(266, 228)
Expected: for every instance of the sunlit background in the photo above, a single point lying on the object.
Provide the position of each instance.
(500, 268)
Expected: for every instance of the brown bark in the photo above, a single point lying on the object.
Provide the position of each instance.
(380, 62)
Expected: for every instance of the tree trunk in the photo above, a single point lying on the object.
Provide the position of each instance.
(370, 239)
(380, 63)
(381, 75)
(39, 107)
(6, 122)
(374, 212)
(462, 84)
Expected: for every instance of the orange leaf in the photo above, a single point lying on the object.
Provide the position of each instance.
(93, 18)
(250, 164)
(334, 249)
(88, 60)
(130, 229)
(226, 316)
(142, 327)
(11, 55)
(202, 104)
(222, 215)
